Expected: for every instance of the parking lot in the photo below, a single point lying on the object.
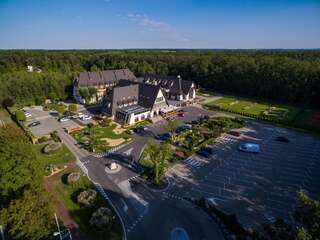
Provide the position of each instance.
(49, 121)
(256, 187)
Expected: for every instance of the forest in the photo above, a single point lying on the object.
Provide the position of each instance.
(281, 76)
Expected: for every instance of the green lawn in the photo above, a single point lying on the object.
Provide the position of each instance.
(93, 138)
(61, 156)
(68, 193)
(5, 117)
(273, 111)
(285, 114)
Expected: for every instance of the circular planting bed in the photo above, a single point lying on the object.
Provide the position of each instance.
(51, 147)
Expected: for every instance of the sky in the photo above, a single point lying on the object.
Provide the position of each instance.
(122, 24)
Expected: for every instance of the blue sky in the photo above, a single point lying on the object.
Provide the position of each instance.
(71, 24)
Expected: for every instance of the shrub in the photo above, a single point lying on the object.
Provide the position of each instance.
(20, 116)
(73, 177)
(43, 139)
(72, 108)
(87, 197)
(106, 122)
(51, 147)
(101, 218)
(55, 137)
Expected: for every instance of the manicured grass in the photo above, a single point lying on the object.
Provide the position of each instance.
(280, 112)
(284, 114)
(67, 193)
(61, 156)
(92, 138)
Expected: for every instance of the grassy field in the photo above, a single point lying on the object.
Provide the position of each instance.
(93, 139)
(285, 114)
(61, 156)
(68, 193)
(4, 117)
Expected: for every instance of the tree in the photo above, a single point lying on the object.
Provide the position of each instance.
(171, 127)
(92, 92)
(72, 108)
(84, 93)
(23, 170)
(159, 156)
(30, 217)
(20, 116)
(61, 108)
(308, 215)
(7, 102)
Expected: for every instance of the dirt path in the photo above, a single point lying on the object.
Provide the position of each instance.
(62, 211)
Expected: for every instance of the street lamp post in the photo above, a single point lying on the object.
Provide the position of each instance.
(59, 232)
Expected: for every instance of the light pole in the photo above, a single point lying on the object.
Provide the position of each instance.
(59, 232)
(1, 232)
(62, 233)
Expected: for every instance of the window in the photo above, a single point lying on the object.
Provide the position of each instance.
(159, 99)
(136, 119)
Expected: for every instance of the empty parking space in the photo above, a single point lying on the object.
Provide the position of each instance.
(260, 186)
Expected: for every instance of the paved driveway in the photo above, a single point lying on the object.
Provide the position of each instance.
(49, 121)
(257, 187)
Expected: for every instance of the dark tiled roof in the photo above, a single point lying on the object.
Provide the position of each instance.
(169, 82)
(104, 77)
(147, 94)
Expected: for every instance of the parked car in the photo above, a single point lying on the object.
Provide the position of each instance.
(181, 114)
(182, 128)
(249, 147)
(195, 122)
(140, 129)
(34, 124)
(234, 133)
(64, 119)
(208, 149)
(203, 153)
(27, 114)
(163, 137)
(86, 117)
(282, 139)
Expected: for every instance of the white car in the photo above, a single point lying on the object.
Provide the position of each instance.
(27, 114)
(80, 114)
(249, 147)
(86, 117)
(64, 119)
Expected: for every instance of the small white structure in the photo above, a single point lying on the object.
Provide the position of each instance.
(29, 68)
(113, 166)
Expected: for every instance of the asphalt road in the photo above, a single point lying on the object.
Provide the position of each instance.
(146, 214)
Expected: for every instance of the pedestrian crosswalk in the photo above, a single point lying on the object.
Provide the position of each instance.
(193, 162)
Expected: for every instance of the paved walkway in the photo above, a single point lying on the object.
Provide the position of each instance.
(62, 211)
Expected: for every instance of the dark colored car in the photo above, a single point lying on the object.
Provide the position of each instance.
(203, 153)
(34, 124)
(234, 133)
(194, 122)
(181, 114)
(183, 128)
(282, 139)
(140, 129)
(163, 137)
(208, 149)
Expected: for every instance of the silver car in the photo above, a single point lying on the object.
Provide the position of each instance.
(249, 147)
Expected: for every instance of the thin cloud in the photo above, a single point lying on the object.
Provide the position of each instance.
(156, 26)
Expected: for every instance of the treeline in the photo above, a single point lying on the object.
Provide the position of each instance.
(25, 207)
(292, 77)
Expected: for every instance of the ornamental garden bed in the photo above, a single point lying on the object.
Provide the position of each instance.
(99, 138)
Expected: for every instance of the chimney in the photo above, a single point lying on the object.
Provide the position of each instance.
(179, 79)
